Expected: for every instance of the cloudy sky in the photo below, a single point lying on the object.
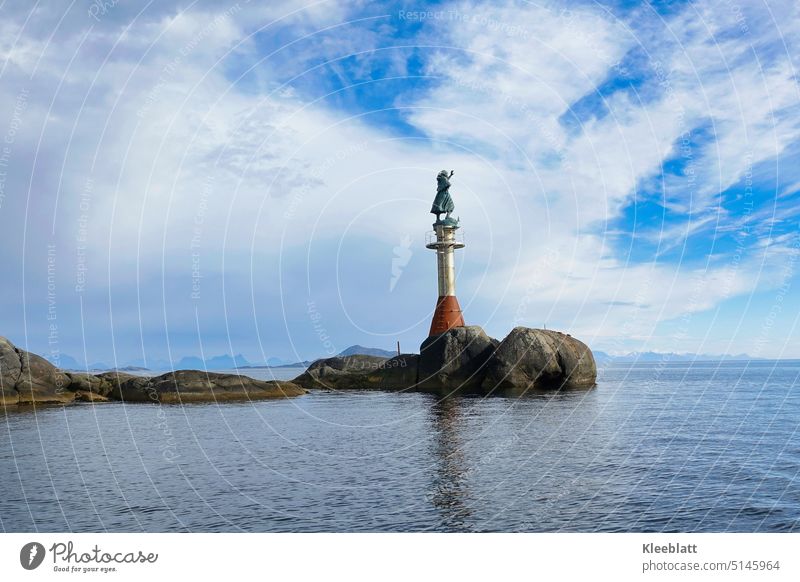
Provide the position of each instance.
(199, 178)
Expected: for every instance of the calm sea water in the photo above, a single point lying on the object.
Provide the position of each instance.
(678, 447)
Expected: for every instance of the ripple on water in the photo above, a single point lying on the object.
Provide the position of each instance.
(683, 448)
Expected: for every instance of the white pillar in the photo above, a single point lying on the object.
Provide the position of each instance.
(445, 245)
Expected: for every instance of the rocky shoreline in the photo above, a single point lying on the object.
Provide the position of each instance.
(463, 360)
(26, 378)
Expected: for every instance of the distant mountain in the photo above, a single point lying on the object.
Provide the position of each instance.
(303, 364)
(66, 362)
(189, 363)
(150, 364)
(277, 362)
(362, 351)
(633, 357)
(227, 362)
(223, 362)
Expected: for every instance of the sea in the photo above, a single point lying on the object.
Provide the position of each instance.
(654, 447)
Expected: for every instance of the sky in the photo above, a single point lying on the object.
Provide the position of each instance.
(201, 178)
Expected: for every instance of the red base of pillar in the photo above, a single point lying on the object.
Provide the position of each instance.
(448, 314)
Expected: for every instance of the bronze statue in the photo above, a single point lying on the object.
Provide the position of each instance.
(443, 202)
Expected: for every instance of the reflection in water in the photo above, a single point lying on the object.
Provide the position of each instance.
(450, 488)
(652, 450)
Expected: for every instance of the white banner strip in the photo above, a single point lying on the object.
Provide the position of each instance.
(354, 557)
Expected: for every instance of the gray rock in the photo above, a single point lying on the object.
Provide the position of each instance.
(84, 382)
(10, 369)
(197, 386)
(81, 396)
(342, 372)
(125, 386)
(361, 372)
(455, 360)
(26, 378)
(539, 359)
(397, 373)
(465, 359)
(41, 381)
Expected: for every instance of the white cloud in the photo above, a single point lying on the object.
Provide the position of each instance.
(173, 142)
(705, 73)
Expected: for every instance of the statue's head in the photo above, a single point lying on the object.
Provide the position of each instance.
(443, 173)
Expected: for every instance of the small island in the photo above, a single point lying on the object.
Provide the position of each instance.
(463, 360)
(27, 378)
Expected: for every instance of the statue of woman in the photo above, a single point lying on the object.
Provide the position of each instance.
(443, 202)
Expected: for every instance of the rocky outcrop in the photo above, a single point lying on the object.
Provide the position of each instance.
(461, 360)
(196, 386)
(340, 372)
(539, 359)
(101, 385)
(397, 373)
(361, 372)
(26, 378)
(466, 360)
(455, 360)
(10, 368)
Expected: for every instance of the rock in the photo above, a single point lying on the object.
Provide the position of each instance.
(81, 396)
(361, 372)
(397, 373)
(40, 381)
(455, 360)
(83, 382)
(466, 360)
(10, 363)
(26, 378)
(540, 359)
(10, 368)
(198, 386)
(342, 372)
(125, 386)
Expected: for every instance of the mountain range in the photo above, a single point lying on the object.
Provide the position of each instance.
(220, 362)
(228, 362)
(361, 350)
(632, 357)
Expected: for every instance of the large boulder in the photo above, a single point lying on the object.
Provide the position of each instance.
(10, 369)
(455, 360)
(539, 359)
(362, 372)
(341, 372)
(100, 384)
(26, 378)
(397, 373)
(124, 386)
(41, 381)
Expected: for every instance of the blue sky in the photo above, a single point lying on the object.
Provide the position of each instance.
(205, 178)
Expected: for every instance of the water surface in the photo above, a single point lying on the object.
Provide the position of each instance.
(672, 447)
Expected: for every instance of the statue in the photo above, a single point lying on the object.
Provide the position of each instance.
(443, 202)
